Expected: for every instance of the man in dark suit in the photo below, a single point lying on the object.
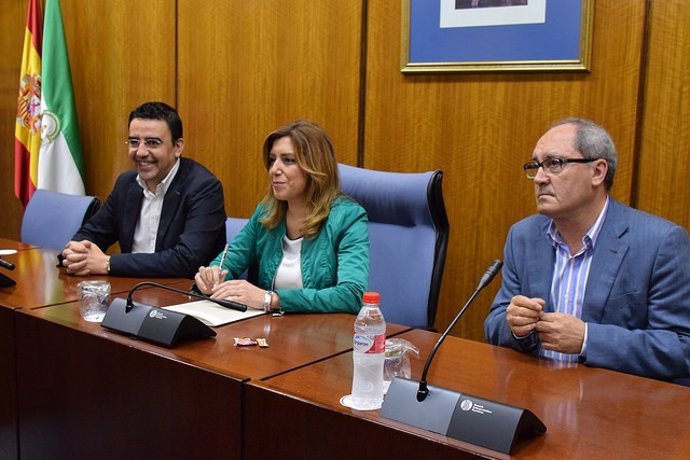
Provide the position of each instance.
(167, 214)
(589, 279)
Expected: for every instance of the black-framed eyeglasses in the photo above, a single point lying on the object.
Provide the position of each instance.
(552, 166)
(151, 143)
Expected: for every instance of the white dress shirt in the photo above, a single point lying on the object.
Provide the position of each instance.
(150, 215)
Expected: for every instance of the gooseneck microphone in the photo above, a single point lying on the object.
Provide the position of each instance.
(222, 302)
(489, 274)
(159, 325)
(460, 415)
(6, 264)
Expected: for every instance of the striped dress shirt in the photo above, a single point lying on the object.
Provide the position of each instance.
(569, 281)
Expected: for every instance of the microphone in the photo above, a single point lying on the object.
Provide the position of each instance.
(222, 302)
(6, 264)
(487, 277)
(159, 325)
(462, 416)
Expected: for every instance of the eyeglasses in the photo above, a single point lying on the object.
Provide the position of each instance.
(151, 143)
(552, 166)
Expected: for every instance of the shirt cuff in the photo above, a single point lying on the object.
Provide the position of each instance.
(583, 352)
(521, 337)
(526, 342)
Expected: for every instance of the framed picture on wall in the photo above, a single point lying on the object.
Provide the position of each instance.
(496, 35)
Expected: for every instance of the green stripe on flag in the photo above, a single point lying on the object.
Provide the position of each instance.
(57, 81)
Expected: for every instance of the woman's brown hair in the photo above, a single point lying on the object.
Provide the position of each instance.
(314, 153)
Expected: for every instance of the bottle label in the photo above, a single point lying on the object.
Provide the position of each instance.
(365, 343)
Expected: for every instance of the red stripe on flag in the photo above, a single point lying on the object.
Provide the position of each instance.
(34, 22)
(23, 187)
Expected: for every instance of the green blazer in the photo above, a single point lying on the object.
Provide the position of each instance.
(335, 263)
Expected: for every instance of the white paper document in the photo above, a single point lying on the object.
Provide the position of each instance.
(212, 314)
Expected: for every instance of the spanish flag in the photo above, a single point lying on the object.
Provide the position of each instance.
(27, 131)
(48, 152)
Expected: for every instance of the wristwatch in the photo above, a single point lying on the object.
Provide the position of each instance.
(268, 297)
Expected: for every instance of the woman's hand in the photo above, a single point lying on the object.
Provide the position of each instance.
(240, 291)
(207, 278)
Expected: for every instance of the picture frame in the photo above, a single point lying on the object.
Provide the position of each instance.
(441, 36)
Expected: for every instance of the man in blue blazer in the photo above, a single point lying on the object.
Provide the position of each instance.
(167, 214)
(589, 279)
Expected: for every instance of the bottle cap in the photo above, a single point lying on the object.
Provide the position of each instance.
(371, 297)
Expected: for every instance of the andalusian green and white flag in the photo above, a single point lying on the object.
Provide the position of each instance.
(60, 164)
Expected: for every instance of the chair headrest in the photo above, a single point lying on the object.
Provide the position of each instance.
(52, 218)
(389, 197)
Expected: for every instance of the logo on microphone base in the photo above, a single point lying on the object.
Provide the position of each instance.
(467, 405)
(157, 314)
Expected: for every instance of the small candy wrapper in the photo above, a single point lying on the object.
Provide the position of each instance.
(244, 342)
(263, 343)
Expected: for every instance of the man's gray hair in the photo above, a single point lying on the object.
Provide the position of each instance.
(594, 142)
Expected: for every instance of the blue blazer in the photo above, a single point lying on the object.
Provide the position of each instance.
(637, 299)
(190, 233)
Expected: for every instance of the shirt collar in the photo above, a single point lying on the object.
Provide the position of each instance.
(590, 237)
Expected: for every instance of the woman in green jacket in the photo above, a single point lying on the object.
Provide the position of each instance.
(307, 243)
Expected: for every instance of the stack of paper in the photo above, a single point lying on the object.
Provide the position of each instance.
(212, 314)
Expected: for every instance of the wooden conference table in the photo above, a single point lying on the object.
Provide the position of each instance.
(589, 413)
(14, 245)
(85, 392)
(40, 283)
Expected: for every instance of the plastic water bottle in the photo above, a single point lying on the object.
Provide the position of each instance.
(369, 354)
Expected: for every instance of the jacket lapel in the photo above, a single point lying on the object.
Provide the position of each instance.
(130, 215)
(540, 261)
(171, 202)
(608, 255)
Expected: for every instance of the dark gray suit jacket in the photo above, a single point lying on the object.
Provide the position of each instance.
(637, 300)
(191, 230)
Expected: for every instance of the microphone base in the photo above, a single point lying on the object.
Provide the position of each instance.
(460, 416)
(6, 281)
(152, 324)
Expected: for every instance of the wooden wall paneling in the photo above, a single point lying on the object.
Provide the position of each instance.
(480, 128)
(246, 68)
(664, 165)
(12, 27)
(122, 54)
